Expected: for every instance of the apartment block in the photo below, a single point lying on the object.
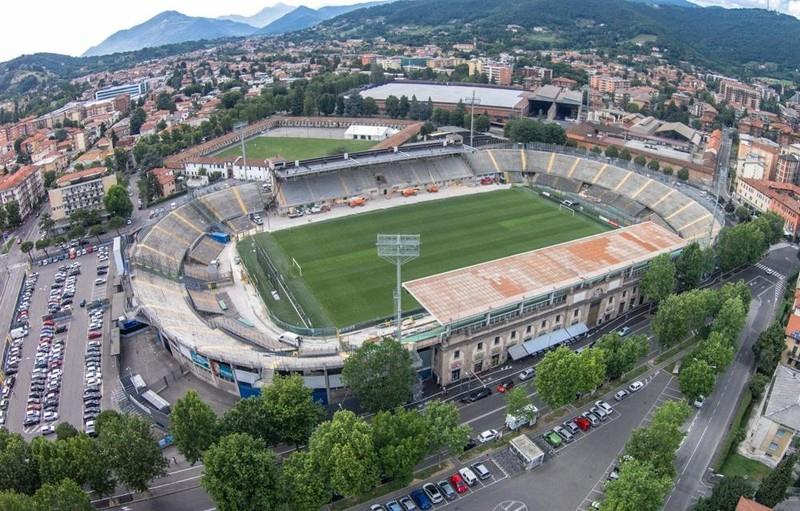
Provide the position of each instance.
(25, 187)
(80, 190)
(609, 84)
(739, 95)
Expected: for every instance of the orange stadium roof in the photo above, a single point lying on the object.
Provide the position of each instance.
(467, 292)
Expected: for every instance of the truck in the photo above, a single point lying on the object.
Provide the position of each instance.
(514, 423)
(19, 333)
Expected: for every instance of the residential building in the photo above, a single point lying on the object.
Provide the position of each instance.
(771, 431)
(498, 74)
(132, 90)
(166, 180)
(791, 356)
(757, 148)
(25, 187)
(788, 168)
(84, 189)
(781, 198)
(609, 84)
(746, 504)
(739, 95)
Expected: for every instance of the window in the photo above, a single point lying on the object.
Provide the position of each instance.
(781, 433)
(624, 294)
(455, 375)
(479, 346)
(513, 334)
(456, 354)
(576, 313)
(773, 446)
(610, 300)
(558, 318)
(497, 340)
(544, 323)
(528, 329)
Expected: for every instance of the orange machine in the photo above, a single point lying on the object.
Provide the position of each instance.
(432, 188)
(357, 201)
(409, 192)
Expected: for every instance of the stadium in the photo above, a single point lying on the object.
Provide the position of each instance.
(522, 249)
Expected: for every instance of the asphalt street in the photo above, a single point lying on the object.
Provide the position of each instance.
(711, 424)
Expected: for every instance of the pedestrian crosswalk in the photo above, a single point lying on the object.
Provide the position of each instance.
(769, 271)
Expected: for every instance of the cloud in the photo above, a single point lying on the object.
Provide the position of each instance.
(791, 7)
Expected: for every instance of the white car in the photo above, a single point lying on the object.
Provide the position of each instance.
(603, 405)
(621, 394)
(47, 430)
(527, 374)
(698, 403)
(636, 386)
(487, 436)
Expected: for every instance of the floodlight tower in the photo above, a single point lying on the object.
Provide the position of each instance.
(240, 126)
(472, 101)
(398, 249)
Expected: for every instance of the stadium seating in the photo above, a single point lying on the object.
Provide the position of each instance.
(206, 250)
(557, 183)
(233, 202)
(163, 247)
(508, 159)
(480, 162)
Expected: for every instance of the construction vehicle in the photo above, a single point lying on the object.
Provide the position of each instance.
(409, 192)
(357, 201)
(432, 188)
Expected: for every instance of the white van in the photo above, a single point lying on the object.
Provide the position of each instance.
(469, 476)
(19, 333)
(291, 339)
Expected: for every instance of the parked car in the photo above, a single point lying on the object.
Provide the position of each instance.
(468, 475)
(621, 394)
(447, 490)
(583, 423)
(527, 374)
(601, 414)
(477, 395)
(635, 386)
(622, 332)
(594, 419)
(552, 438)
(488, 436)
(571, 426)
(421, 499)
(505, 386)
(433, 493)
(604, 406)
(481, 471)
(407, 503)
(563, 433)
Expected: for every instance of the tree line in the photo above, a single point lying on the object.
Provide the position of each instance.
(345, 456)
(44, 475)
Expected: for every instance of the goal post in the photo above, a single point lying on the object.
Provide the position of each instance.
(567, 208)
(296, 267)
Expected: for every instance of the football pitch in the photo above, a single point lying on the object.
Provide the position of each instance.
(295, 148)
(344, 282)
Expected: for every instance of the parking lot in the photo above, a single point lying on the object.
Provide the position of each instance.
(58, 364)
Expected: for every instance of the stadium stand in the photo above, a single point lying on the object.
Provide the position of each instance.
(206, 250)
(205, 301)
(250, 334)
(165, 244)
(233, 202)
(557, 183)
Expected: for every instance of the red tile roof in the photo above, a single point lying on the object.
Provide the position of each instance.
(68, 179)
(746, 504)
(10, 181)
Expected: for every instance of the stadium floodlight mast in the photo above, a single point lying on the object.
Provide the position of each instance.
(472, 101)
(398, 249)
(240, 126)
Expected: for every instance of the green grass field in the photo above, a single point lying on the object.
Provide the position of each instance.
(295, 148)
(344, 282)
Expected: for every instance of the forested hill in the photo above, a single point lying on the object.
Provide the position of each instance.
(717, 37)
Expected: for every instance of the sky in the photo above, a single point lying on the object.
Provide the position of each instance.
(72, 27)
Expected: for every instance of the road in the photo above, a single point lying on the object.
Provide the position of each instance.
(711, 424)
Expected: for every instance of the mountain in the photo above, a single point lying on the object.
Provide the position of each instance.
(677, 3)
(168, 27)
(263, 17)
(305, 17)
(718, 38)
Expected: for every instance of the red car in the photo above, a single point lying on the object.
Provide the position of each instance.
(487, 180)
(95, 335)
(505, 386)
(458, 483)
(583, 423)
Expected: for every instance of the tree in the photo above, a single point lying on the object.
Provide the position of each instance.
(612, 151)
(291, 409)
(683, 174)
(193, 425)
(482, 123)
(164, 102)
(241, 474)
(725, 496)
(773, 488)
(132, 452)
(696, 379)
(66, 495)
(637, 489)
(640, 160)
(115, 222)
(344, 449)
(771, 225)
(117, 202)
(625, 155)
(77, 457)
(13, 501)
(659, 281)
(653, 165)
(680, 314)
(18, 470)
(739, 245)
(768, 348)
(65, 430)
(26, 247)
(3, 218)
(445, 430)
(716, 351)
(13, 216)
(519, 404)
(42, 244)
(249, 416)
(742, 213)
(621, 353)
(303, 486)
(692, 264)
(138, 116)
(557, 377)
(50, 178)
(46, 223)
(730, 319)
(592, 370)
(380, 375)
(596, 150)
(667, 170)
(403, 107)
(96, 231)
(656, 444)
(400, 439)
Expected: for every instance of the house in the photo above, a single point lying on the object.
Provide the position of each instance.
(746, 504)
(166, 178)
(776, 419)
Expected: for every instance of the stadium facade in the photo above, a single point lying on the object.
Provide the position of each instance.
(476, 317)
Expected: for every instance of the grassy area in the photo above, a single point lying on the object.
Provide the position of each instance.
(736, 431)
(344, 281)
(296, 148)
(675, 350)
(738, 465)
(8, 244)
